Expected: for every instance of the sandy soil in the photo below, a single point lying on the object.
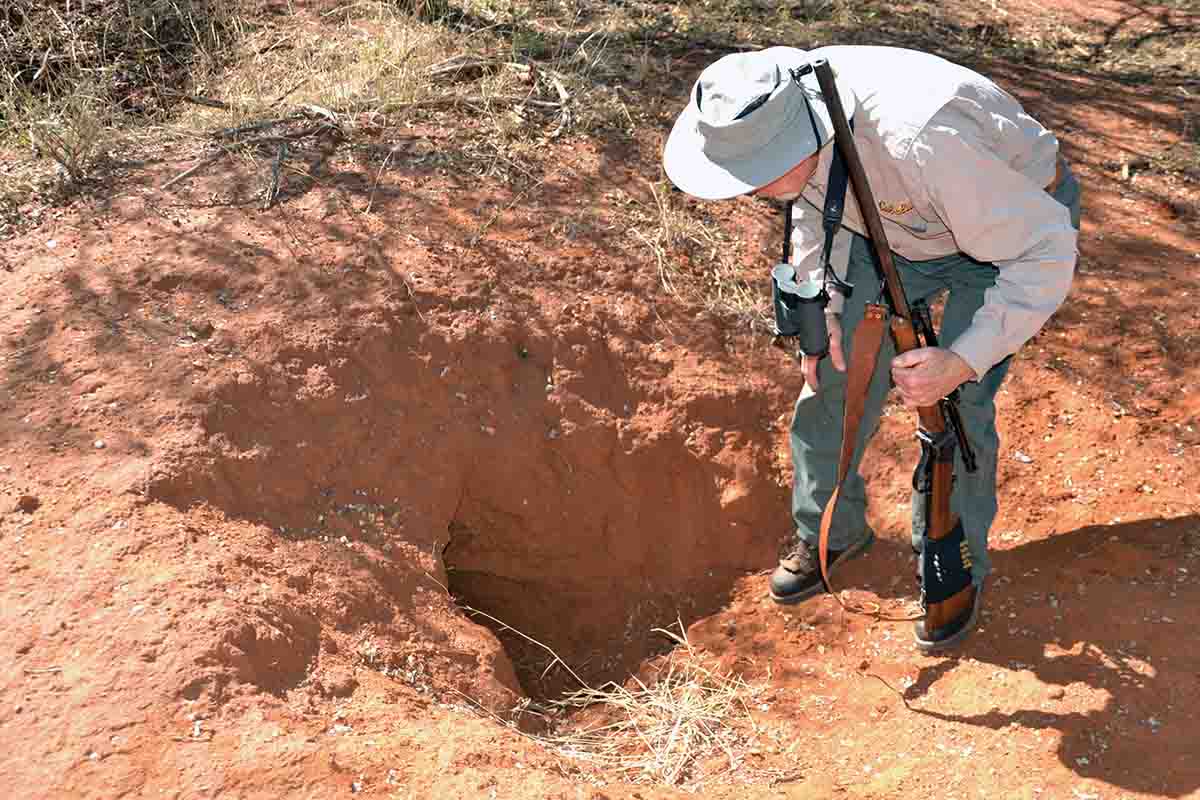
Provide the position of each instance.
(261, 472)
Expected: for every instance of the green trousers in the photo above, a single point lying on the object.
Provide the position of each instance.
(816, 434)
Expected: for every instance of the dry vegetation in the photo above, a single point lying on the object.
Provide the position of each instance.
(83, 80)
(689, 724)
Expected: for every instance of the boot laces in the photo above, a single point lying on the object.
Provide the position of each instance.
(802, 553)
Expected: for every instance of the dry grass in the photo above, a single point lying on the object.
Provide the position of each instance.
(697, 260)
(671, 730)
(69, 71)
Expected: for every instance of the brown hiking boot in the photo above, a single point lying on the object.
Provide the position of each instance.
(798, 576)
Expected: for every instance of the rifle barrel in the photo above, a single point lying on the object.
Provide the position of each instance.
(844, 140)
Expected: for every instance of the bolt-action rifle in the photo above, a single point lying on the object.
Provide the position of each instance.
(946, 591)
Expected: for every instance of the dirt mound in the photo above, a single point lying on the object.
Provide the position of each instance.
(414, 473)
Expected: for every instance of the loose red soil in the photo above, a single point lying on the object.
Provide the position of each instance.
(260, 471)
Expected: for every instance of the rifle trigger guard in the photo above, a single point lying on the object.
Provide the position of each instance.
(934, 449)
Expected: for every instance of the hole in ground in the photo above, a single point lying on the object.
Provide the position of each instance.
(589, 618)
(387, 469)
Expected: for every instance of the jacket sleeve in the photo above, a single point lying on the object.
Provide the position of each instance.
(998, 214)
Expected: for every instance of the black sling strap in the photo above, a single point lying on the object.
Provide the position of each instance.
(831, 218)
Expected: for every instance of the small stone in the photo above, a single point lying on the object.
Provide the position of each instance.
(1024, 459)
(99, 444)
(18, 708)
(28, 503)
(339, 683)
(200, 330)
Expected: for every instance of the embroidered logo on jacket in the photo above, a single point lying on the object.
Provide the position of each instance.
(895, 209)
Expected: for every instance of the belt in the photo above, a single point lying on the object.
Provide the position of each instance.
(1060, 173)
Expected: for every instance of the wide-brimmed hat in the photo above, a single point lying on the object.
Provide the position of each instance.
(749, 120)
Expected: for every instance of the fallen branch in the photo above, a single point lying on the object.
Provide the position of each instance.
(443, 102)
(284, 137)
(227, 133)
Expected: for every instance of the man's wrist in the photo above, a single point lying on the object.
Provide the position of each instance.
(966, 371)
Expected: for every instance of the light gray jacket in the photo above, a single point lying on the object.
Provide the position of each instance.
(956, 165)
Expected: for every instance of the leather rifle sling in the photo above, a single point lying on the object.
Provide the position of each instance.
(868, 338)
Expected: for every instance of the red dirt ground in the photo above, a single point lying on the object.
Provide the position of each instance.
(257, 467)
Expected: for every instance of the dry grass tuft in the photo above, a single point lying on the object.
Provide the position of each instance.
(667, 731)
(74, 74)
(697, 260)
(135, 56)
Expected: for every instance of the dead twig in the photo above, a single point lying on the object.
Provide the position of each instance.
(375, 185)
(289, 92)
(273, 186)
(200, 100)
(492, 221)
(187, 173)
(43, 671)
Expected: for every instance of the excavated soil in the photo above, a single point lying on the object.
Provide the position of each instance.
(298, 502)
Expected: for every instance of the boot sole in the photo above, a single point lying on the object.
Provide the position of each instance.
(853, 551)
(927, 646)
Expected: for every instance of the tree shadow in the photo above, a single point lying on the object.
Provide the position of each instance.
(1097, 615)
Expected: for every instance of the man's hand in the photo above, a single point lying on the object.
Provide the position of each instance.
(928, 374)
(808, 364)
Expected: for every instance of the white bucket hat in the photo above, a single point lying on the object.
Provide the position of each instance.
(749, 121)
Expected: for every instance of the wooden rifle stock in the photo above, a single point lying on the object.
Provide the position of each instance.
(939, 420)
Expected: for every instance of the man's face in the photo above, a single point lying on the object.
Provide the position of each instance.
(789, 185)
